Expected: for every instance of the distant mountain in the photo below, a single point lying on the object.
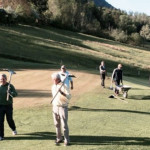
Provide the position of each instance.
(102, 3)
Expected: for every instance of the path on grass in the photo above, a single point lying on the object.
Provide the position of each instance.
(34, 86)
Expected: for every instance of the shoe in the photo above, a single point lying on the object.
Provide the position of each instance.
(14, 132)
(1, 138)
(58, 141)
(66, 144)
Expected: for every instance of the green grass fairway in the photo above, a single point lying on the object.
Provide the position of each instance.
(96, 122)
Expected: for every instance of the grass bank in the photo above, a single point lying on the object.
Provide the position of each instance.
(32, 47)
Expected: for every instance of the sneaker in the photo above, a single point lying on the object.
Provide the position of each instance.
(1, 138)
(14, 132)
(58, 141)
(66, 144)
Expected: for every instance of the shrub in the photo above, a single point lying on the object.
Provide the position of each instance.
(119, 35)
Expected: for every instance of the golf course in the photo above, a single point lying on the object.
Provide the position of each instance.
(96, 122)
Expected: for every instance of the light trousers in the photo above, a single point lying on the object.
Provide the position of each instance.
(60, 116)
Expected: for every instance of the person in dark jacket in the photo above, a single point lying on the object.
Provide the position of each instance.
(102, 70)
(6, 106)
(117, 77)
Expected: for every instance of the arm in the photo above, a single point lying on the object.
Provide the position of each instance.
(122, 78)
(101, 69)
(71, 85)
(113, 75)
(65, 92)
(12, 91)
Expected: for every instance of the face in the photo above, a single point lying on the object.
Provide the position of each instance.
(120, 66)
(102, 63)
(3, 80)
(63, 69)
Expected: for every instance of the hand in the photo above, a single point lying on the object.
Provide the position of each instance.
(62, 93)
(10, 93)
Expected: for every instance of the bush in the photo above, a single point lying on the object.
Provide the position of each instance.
(135, 39)
(119, 35)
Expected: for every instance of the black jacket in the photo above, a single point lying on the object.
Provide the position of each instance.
(117, 75)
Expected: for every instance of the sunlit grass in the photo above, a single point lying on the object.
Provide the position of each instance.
(95, 122)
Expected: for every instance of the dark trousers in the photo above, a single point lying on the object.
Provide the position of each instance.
(8, 111)
(117, 83)
(102, 79)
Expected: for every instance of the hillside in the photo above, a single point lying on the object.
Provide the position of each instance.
(102, 3)
(34, 47)
(96, 122)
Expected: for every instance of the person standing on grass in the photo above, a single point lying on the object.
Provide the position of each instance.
(63, 73)
(117, 77)
(102, 70)
(60, 109)
(6, 106)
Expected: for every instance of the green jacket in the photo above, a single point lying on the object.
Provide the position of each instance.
(3, 94)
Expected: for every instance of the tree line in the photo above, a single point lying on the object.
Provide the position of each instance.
(82, 16)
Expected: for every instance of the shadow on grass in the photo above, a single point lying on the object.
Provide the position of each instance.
(140, 97)
(34, 136)
(85, 140)
(109, 140)
(33, 93)
(76, 108)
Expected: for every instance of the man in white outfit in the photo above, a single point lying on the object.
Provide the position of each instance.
(60, 109)
(64, 75)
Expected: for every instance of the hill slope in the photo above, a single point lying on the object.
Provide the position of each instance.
(102, 3)
(34, 47)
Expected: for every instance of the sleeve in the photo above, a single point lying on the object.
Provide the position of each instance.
(67, 92)
(69, 78)
(121, 76)
(113, 74)
(100, 69)
(13, 91)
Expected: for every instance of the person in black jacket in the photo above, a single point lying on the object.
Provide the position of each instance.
(102, 70)
(117, 77)
(6, 106)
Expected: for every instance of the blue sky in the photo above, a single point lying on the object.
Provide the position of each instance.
(141, 6)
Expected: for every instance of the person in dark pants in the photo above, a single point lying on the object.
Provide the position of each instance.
(117, 77)
(6, 106)
(102, 70)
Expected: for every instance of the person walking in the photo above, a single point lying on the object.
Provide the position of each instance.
(102, 70)
(6, 106)
(63, 74)
(117, 77)
(60, 109)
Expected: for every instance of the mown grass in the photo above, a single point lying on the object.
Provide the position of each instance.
(95, 121)
(54, 47)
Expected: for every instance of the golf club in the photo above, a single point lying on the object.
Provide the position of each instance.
(11, 72)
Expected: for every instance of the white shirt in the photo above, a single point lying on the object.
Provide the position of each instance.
(67, 80)
(60, 100)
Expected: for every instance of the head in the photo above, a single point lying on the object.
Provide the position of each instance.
(3, 79)
(102, 63)
(119, 66)
(63, 68)
(56, 78)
